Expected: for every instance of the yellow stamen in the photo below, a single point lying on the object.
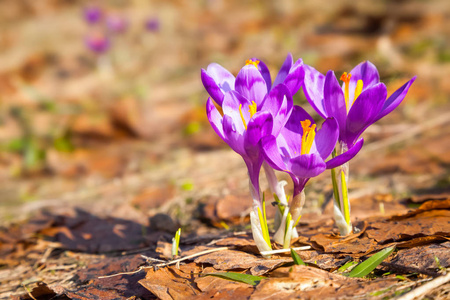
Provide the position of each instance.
(308, 136)
(346, 79)
(251, 62)
(242, 116)
(358, 89)
(252, 109)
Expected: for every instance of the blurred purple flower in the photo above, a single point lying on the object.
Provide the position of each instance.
(360, 102)
(152, 24)
(97, 42)
(301, 152)
(92, 14)
(116, 23)
(217, 80)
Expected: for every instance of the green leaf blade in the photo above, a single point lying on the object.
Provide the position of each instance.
(239, 277)
(371, 263)
(296, 258)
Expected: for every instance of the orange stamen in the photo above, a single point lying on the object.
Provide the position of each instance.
(251, 62)
(308, 136)
(346, 79)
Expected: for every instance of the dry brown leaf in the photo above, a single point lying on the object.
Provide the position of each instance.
(423, 257)
(172, 283)
(310, 283)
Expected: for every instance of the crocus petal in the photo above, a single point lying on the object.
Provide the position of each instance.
(327, 137)
(364, 111)
(260, 125)
(365, 71)
(334, 101)
(294, 79)
(272, 153)
(284, 70)
(307, 165)
(262, 67)
(346, 156)
(395, 99)
(313, 84)
(251, 84)
(280, 104)
(233, 138)
(214, 118)
(217, 81)
(232, 101)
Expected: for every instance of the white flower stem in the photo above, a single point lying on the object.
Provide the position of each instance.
(339, 177)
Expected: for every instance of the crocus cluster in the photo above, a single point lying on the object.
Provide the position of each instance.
(104, 26)
(258, 120)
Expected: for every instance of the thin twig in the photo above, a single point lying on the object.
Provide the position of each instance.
(408, 269)
(284, 250)
(151, 258)
(166, 263)
(190, 256)
(28, 292)
(427, 287)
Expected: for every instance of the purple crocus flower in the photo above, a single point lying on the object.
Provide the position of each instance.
(152, 24)
(218, 80)
(98, 42)
(92, 14)
(358, 103)
(245, 122)
(116, 23)
(301, 152)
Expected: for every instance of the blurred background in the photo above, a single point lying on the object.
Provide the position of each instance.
(102, 106)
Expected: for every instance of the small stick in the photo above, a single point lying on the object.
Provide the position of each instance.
(408, 269)
(424, 289)
(151, 258)
(167, 263)
(284, 250)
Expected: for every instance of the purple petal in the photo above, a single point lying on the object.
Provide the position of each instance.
(295, 78)
(284, 70)
(364, 111)
(307, 165)
(272, 153)
(233, 138)
(217, 81)
(214, 118)
(262, 67)
(327, 137)
(395, 99)
(365, 71)
(260, 125)
(334, 101)
(346, 156)
(231, 103)
(280, 104)
(212, 88)
(313, 85)
(251, 84)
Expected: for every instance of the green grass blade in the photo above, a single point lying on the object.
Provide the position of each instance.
(233, 276)
(296, 258)
(371, 263)
(347, 265)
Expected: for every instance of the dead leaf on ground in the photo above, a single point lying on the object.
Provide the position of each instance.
(424, 257)
(311, 283)
(172, 283)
